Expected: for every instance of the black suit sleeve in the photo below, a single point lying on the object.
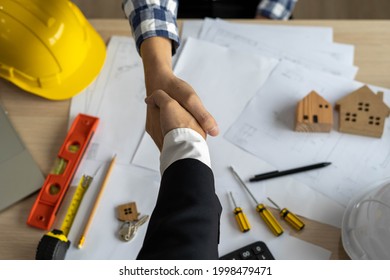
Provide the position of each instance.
(185, 221)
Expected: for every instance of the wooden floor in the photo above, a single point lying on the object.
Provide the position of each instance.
(305, 9)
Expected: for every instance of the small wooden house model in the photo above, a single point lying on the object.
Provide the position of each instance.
(314, 114)
(363, 112)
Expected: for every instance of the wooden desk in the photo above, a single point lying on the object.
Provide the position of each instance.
(42, 124)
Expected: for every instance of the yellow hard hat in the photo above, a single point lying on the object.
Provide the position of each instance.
(48, 47)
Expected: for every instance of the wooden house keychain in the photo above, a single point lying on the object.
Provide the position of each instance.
(128, 214)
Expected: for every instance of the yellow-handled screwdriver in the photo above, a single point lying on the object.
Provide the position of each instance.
(265, 214)
(289, 217)
(240, 216)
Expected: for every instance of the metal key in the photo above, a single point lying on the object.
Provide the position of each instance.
(129, 229)
(126, 232)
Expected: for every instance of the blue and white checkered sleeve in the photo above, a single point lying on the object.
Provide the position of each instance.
(276, 9)
(150, 18)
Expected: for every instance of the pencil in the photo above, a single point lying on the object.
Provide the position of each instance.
(95, 206)
(274, 174)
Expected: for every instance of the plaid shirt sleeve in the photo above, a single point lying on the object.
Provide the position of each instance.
(276, 9)
(150, 18)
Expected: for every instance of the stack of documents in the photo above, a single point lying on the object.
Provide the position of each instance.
(250, 78)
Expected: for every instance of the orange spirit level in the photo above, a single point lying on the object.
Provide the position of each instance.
(47, 204)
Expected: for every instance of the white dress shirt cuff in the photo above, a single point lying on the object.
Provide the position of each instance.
(181, 143)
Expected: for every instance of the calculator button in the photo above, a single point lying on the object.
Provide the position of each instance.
(257, 249)
(263, 257)
(246, 255)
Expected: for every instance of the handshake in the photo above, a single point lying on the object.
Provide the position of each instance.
(165, 114)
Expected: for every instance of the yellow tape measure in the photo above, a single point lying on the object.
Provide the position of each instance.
(54, 244)
(75, 203)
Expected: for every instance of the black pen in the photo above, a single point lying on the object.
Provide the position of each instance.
(274, 174)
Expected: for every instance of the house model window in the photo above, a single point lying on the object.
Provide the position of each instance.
(314, 114)
(363, 112)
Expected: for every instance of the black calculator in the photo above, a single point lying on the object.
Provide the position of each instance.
(255, 251)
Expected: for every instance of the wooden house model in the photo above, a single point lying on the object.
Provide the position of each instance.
(363, 112)
(314, 114)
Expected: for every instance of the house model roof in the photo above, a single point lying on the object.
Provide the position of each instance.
(363, 112)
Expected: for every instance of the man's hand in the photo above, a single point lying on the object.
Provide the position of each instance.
(171, 115)
(156, 55)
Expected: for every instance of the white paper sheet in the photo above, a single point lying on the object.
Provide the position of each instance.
(284, 247)
(296, 249)
(126, 184)
(327, 55)
(312, 39)
(226, 75)
(266, 129)
(260, 30)
(230, 78)
(191, 28)
(336, 59)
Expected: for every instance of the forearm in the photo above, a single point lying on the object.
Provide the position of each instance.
(185, 222)
(155, 32)
(187, 212)
(156, 53)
